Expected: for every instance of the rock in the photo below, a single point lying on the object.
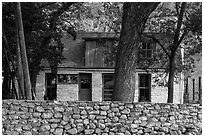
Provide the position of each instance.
(147, 130)
(140, 132)
(45, 127)
(98, 131)
(143, 124)
(88, 131)
(58, 131)
(44, 133)
(46, 115)
(58, 109)
(123, 117)
(18, 127)
(125, 111)
(86, 121)
(113, 105)
(92, 125)
(92, 117)
(54, 125)
(172, 132)
(133, 126)
(40, 109)
(115, 109)
(58, 115)
(199, 125)
(76, 116)
(101, 126)
(83, 112)
(144, 118)
(96, 107)
(72, 131)
(118, 125)
(121, 107)
(103, 113)
(105, 108)
(63, 122)
(36, 114)
(127, 133)
(27, 133)
(110, 115)
(67, 126)
(134, 130)
(66, 118)
(54, 120)
(27, 127)
(162, 119)
(164, 129)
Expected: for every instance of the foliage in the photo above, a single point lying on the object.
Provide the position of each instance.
(163, 21)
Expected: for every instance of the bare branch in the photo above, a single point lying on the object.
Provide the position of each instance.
(179, 23)
(157, 41)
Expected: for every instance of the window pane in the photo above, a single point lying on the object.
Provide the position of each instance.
(68, 78)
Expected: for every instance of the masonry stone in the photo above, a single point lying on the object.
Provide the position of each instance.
(78, 118)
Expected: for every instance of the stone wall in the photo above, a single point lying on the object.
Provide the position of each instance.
(43, 118)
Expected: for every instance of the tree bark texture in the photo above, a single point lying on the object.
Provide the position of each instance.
(27, 82)
(176, 43)
(171, 78)
(134, 18)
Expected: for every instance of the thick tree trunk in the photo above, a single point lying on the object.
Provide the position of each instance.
(134, 18)
(171, 79)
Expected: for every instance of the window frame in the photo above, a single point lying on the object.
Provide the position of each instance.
(148, 87)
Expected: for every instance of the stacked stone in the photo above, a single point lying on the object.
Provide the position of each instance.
(100, 118)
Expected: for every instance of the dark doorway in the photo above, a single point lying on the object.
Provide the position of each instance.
(144, 87)
(51, 87)
(85, 87)
(108, 84)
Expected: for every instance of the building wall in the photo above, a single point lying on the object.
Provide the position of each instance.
(197, 72)
(67, 92)
(20, 117)
(40, 86)
(159, 94)
(97, 86)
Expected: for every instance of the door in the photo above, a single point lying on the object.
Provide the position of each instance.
(108, 84)
(85, 87)
(51, 87)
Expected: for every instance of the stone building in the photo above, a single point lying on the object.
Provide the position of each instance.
(86, 73)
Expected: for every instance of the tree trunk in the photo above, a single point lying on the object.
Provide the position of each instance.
(171, 79)
(19, 63)
(23, 54)
(134, 18)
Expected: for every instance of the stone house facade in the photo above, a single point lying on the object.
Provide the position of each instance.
(87, 73)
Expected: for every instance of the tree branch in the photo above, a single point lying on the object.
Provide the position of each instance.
(157, 41)
(55, 15)
(181, 38)
(179, 23)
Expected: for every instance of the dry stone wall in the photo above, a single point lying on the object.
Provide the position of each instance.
(100, 118)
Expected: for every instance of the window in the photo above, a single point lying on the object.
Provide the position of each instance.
(68, 78)
(145, 50)
(108, 84)
(144, 87)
